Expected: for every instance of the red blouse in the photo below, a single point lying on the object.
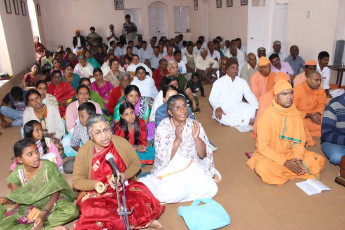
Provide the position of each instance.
(142, 133)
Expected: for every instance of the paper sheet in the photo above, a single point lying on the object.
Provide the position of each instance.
(244, 128)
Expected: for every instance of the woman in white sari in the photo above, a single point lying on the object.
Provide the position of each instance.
(183, 169)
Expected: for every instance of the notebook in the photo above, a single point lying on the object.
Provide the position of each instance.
(312, 187)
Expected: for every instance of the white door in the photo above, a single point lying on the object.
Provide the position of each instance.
(135, 17)
(280, 25)
(258, 25)
(158, 20)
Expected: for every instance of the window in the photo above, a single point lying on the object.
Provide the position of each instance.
(181, 15)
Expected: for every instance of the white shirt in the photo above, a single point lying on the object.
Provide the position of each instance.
(203, 64)
(118, 52)
(228, 94)
(182, 67)
(109, 33)
(325, 75)
(134, 50)
(158, 101)
(145, 54)
(154, 60)
(132, 67)
(215, 55)
(86, 71)
(146, 87)
(196, 50)
(244, 50)
(78, 41)
(184, 50)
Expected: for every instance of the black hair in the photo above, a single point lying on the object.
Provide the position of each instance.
(35, 64)
(195, 75)
(177, 52)
(130, 88)
(184, 43)
(123, 123)
(29, 93)
(169, 87)
(68, 49)
(135, 55)
(129, 58)
(29, 128)
(16, 91)
(112, 42)
(84, 79)
(89, 108)
(40, 82)
(323, 54)
(82, 86)
(238, 39)
(92, 28)
(20, 145)
(219, 37)
(128, 16)
(144, 42)
(172, 101)
(112, 60)
(130, 41)
(273, 56)
(162, 59)
(140, 68)
(56, 71)
(69, 65)
(199, 42)
(169, 79)
(201, 37)
(97, 70)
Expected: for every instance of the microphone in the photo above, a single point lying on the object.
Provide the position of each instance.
(110, 158)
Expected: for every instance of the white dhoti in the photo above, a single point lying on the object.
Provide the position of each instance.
(238, 114)
(182, 180)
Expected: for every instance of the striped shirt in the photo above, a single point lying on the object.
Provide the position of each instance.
(79, 135)
(333, 123)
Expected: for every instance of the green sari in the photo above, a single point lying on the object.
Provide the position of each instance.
(36, 193)
(93, 62)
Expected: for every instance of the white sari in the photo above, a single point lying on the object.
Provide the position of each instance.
(185, 177)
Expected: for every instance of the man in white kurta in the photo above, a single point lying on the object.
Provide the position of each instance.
(226, 98)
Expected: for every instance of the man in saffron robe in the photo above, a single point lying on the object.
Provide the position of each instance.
(310, 100)
(263, 80)
(266, 100)
(300, 78)
(280, 154)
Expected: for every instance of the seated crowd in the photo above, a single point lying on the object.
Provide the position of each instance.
(136, 101)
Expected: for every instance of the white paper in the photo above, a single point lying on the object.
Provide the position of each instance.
(312, 187)
(244, 128)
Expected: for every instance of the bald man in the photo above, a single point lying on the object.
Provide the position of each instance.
(205, 65)
(280, 154)
(250, 68)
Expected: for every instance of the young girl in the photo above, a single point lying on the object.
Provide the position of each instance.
(40, 197)
(46, 147)
(133, 129)
(127, 61)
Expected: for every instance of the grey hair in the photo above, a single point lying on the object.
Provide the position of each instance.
(277, 43)
(81, 57)
(171, 62)
(171, 101)
(125, 75)
(261, 48)
(203, 50)
(93, 119)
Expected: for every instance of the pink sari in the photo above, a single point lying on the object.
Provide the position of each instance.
(103, 91)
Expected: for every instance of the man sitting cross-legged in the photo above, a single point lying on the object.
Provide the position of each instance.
(280, 154)
(310, 100)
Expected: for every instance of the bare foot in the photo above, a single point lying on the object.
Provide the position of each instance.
(156, 224)
(60, 228)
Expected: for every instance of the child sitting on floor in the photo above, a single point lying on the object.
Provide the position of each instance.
(133, 129)
(46, 147)
(80, 131)
(40, 196)
(195, 86)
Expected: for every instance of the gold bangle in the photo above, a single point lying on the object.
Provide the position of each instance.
(100, 188)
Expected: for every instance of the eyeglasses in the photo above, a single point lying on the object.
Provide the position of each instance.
(98, 133)
(183, 107)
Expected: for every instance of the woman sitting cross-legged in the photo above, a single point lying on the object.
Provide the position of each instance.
(183, 169)
(40, 197)
(133, 129)
(93, 175)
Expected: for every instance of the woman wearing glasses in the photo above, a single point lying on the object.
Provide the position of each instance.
(183, 168)
(93, 176)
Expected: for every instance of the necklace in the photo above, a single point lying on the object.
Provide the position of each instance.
(43, 113)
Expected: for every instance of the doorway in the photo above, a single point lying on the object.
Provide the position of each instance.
(158, 25)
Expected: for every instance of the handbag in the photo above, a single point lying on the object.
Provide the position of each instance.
(210, 215)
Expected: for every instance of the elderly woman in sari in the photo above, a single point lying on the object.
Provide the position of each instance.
(70, 77)
(93, 175)
(114, 74)
(102, 87)
(91, 59)
(135, 64)
(63, 91)
(31, 78)
(46, 114)
(83, 68)
(145, 84)
(183, 169)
